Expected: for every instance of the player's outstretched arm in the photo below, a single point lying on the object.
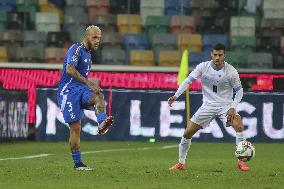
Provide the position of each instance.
(72, 72)
(180, 90)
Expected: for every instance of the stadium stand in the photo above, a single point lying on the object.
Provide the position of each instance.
(244, 26)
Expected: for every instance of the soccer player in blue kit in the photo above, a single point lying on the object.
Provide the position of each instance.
(76, 92)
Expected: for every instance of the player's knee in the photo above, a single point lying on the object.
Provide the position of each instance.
(191, 129)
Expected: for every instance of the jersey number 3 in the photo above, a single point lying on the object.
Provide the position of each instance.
(214, 88)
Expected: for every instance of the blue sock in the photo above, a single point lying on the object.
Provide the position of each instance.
(76, 156)
(101, 117)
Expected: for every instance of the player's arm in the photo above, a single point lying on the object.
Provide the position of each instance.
(237, 87)
(191, 78)
(72, 72)
(73, 56)
(181, 89)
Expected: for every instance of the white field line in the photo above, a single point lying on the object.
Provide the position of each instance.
(128, 149)
(93, 152)
(26, 157)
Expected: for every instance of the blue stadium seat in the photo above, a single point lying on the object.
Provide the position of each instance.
(197, 57)
(135, 42)
(59, 3)
(176, 7)
(210, 40)
(7, 5)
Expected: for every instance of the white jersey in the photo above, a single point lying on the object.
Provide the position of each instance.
(217, 85)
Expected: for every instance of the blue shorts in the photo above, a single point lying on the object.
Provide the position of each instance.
(72, 100)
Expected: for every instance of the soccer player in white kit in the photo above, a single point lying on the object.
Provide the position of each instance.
(218, 80)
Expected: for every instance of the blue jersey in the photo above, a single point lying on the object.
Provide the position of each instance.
(80, 57)
(73, 96)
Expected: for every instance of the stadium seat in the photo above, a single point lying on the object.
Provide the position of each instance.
(211, 25)
(142, 58)
(204, 4)
(182, 24)
(157, 24)
(49, 7)
(273, 9)
(260, 60)
(28, 54)
(69, 10)
(243, 44)
(242, 26)
(129, 23)
(112, 40)
(191, 42)
(34, 37)
(237, 59)
(267, 44)
(107, 23)
(199, 13)
(76, 31)
(135, 42)
(271, 27)
(54, 55)
(124, 7)
(31, 11)
(169, 58)
(47, 21)
(7, 6)
(151, 8)
(113, 56)
(57, 39)
(176, 7)
(75, 23)
(97, 7)
(18, 21)
(3, 21)
(76, 3)
(196, 58)
(208, 41)
(229, 5)
(3, 54)
(76, 18)
(163, 42)
(27, 2)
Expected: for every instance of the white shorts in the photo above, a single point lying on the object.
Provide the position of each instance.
(206, 113)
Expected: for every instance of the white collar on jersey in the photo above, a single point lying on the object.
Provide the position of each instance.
(216, 68)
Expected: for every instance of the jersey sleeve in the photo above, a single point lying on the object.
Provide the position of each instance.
(197, 71)
(73, 54)
(235, 80)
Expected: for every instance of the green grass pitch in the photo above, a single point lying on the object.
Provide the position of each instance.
(137, 165)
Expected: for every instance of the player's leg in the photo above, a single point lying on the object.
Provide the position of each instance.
(238, 126)
(185, 144)
(105, 122)
(200, 119)
(74, 142)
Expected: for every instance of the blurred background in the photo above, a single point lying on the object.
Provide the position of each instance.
(141, 47)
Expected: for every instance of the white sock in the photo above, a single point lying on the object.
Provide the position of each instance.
(239, 137)
(184, 146)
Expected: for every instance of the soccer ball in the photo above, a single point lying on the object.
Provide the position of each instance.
(245, 151)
